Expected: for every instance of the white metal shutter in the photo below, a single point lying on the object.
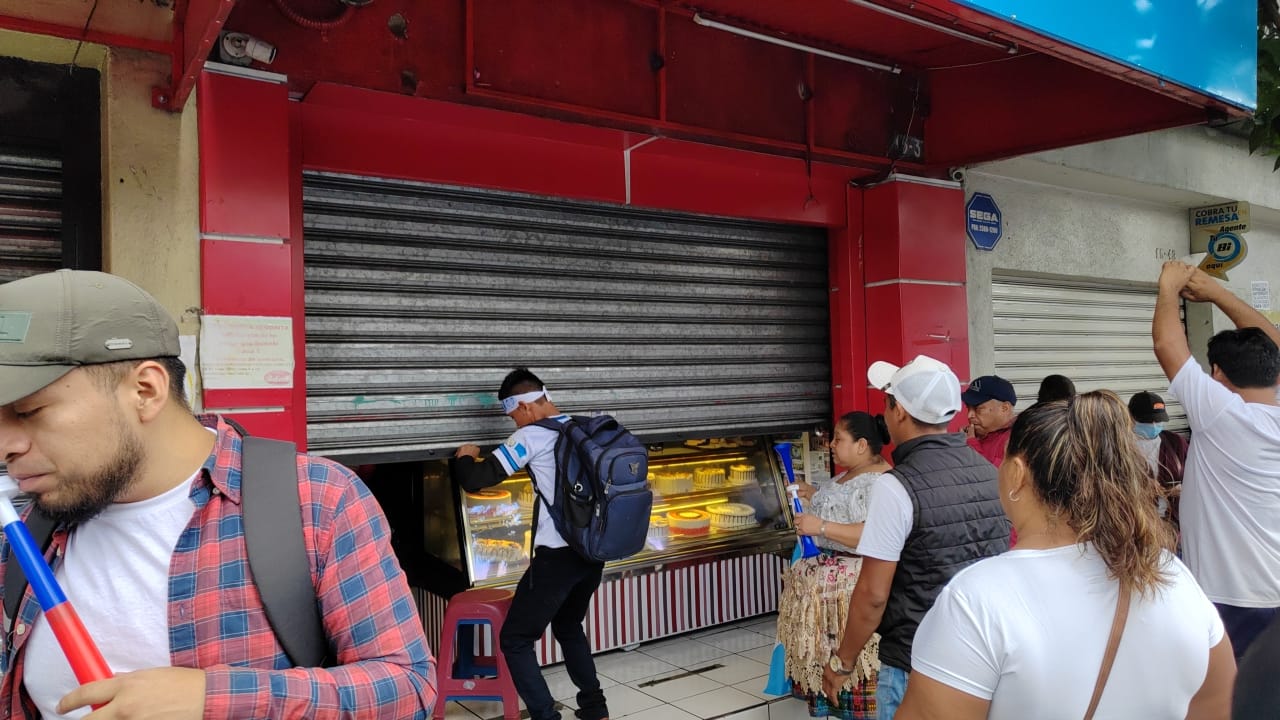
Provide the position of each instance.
(420, 298)
(1099, 335)
(30, 214)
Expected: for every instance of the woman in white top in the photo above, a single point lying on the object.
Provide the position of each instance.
(1023, 635)
(816, 591)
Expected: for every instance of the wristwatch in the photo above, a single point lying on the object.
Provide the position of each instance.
(837, 666)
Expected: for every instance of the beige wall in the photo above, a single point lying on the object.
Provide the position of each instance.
(55, 51)
(150, 185)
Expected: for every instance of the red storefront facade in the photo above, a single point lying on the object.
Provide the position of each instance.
(654, 104)
(915, 274)
(639, 103)
(851, 125)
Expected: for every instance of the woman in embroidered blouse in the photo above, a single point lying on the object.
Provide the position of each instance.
(816, 591)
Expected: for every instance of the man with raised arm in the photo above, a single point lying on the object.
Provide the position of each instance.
(1230, 509)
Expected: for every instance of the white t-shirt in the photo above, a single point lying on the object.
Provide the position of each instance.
(889, 520)
(535, 447)
(1230, 511)
(1027, 630)
(115, 573)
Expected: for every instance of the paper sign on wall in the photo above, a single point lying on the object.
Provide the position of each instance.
(239, 352)
(187, 353)
(1261, 295)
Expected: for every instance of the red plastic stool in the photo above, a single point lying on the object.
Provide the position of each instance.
(461, 675)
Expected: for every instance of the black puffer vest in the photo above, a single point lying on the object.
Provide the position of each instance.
(957, 520)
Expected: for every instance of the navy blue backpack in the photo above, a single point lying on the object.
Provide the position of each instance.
(602, 500)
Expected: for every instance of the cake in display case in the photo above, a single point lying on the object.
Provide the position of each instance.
(711, 496)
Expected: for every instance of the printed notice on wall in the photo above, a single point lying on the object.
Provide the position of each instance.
(239, 352)
(1261, 294)
(187, 353)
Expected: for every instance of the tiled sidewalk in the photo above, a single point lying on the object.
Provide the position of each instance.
(718, 673)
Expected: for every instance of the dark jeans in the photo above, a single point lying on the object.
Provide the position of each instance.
(554, 591)
(1244, 624)
(1257, 694)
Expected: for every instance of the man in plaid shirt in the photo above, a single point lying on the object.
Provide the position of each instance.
(150, 548)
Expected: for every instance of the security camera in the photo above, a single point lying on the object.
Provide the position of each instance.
(236, 48)
(956, 174)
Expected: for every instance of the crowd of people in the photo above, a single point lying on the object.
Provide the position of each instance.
(1072, 559)
(1026, 566)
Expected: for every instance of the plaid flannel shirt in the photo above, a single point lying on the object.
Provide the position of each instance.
(384, 668)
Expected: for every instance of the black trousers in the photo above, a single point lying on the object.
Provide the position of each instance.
(554, 591)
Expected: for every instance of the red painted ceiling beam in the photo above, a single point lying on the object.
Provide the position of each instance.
(38, 27)
(196, 25)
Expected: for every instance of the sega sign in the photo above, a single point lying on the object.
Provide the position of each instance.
(983, 223)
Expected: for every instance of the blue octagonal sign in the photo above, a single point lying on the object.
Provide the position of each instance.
(983, 223)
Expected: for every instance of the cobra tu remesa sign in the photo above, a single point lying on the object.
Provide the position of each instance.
(1218, 231)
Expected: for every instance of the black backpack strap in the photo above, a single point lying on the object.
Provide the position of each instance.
(563, 447)
(41, 527)
(551, 424)
(272, 512)
(537, 501)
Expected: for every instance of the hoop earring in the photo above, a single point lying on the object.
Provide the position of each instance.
(1012, 498)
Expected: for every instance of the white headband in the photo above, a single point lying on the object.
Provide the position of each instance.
(509, 404)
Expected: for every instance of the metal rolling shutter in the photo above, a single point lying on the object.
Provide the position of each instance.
(1098, 335)
(30, 222)
(30, 214)
(420, 298)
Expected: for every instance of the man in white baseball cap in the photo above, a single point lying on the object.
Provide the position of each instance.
(937, 512)
(925, 388)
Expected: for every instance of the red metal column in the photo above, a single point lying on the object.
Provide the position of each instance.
(247, 236)
(913, 246)
(848, 312)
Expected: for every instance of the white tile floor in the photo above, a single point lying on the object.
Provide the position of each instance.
(713, 674)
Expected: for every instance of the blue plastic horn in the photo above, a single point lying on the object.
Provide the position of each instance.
(808, 547)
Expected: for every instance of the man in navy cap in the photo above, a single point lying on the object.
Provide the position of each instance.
(990, 400)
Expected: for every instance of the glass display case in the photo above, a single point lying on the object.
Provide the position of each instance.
(711, 496)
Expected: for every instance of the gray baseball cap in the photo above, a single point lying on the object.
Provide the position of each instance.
(53, 323)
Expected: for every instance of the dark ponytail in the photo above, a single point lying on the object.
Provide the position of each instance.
(882, 428)
(862, 426)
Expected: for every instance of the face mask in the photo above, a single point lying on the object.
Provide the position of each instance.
(1149, 431)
